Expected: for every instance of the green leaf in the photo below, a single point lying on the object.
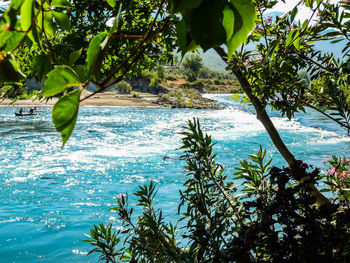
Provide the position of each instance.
(185, 5)
(65, 113)
(228, 21)
(26, 14)
(297, 42)
(48, 24)
(235, 96)
(206, 24)
(62, 20)
(9, 71)
(4, 36)
(73, 57)
(82, 72)
(244, 21)
(111, 3)
(61, 3)
(116, 23)
(14, 40)
(41, 66)
(293, 14)
(59, 79)
(182, 36)
(95, 55)
(15, 4)
(34, 36)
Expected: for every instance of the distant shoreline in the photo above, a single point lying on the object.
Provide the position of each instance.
(101, 99)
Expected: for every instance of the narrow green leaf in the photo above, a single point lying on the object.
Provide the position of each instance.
(95, 55)
(61, 3)
(73, 57)
(9, 71)
(59, 79)
(293, 14)
(290, 37)
(244, 21)
(26, 14)
(65, 113)
(297, 42)
(62, 20)
(111, 3)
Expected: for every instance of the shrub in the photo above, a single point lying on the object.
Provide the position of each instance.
(205, 73)
(268, 217)
(123, 87)
(199, 83)
(171, 77)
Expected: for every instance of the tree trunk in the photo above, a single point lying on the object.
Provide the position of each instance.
(264, 118)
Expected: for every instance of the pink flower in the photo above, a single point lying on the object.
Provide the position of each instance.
(268, 20)
(121, 196)
(323, 161)
(332, 171)
(344, 174)
(298, 228)
(343, 160)
(326, 157)
(258, 28)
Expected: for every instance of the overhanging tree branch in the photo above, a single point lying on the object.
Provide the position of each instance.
(265, 119)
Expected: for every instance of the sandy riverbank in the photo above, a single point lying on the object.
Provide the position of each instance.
(110, 98)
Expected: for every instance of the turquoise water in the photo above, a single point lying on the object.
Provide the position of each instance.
(50, 197)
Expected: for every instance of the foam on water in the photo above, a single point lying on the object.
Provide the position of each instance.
(50, 197)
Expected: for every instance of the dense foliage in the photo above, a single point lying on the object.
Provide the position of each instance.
(273, 215)
(268, 217)
(281, 215)
(284, 47)
(72, 44)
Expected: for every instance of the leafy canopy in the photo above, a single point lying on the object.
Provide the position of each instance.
(67, 43)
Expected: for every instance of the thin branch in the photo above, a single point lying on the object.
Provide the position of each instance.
(347, 126)
(26, 32)
(121, 65)
(263, 25)
(104, 85)
(316, 63)
(46, 37)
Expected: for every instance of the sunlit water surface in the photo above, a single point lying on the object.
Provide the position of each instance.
(50, 197)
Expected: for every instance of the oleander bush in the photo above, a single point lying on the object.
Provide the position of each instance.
(263, 214)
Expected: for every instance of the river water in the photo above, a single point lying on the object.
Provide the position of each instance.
(51, 196)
